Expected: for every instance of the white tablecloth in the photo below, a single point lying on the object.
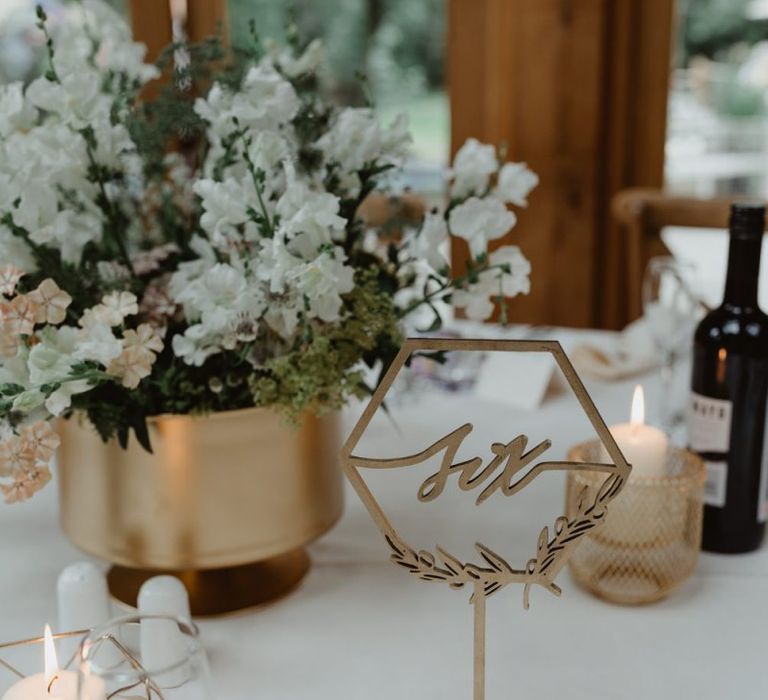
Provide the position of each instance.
(360, 628)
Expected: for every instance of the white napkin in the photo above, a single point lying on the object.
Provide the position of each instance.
(628, 353)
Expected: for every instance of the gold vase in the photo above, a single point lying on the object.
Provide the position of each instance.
(226, 502)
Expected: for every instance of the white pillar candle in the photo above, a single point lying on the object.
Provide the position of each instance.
(643, 446)
(55, 684)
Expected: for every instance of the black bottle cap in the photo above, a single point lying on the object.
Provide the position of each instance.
(747, 219)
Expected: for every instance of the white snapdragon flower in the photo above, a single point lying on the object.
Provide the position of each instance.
(481, 220)
(16, 112)
(323, 281)
(216, 109)
(515, 183)
(112, 142)
(311, 218)
(77, 100)
(265, 100)
(356, 140)
(473, 166)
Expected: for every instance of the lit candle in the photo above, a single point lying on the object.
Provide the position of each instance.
(643, 446)
(54, 684)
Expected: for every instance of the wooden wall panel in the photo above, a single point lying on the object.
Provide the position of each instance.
(548, 77)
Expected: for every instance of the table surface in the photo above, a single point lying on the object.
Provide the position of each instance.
(359, 627)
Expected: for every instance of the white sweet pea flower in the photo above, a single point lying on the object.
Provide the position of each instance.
(292, 66)
(226, 206)
(323, 281)
(473, 166)
(475, 300)
(61, 399)
(515, 183)
(16, 112)
(194, 347)
(69, 232)
(312, 218)
(512, 277)
(355, 140)
(98, 343)
(429, 242)
(514, 280)
(480, 220)
(218, 297)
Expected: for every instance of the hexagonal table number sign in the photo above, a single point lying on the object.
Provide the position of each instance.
(509, 471)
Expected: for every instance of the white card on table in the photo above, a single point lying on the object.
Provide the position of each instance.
(515, 379)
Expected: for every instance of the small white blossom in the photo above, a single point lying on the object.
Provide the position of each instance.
(480, 220)
(515, 183)
(16, 112)
(473, 166)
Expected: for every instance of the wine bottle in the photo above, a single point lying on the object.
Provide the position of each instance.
(729, 387)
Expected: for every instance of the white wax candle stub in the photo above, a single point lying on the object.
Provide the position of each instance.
(55, 684)
(162, 642)
(643, 446)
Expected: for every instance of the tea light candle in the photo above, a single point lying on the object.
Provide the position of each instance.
(54, 684)
(643, 446)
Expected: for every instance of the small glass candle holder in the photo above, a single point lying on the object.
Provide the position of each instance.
(144, 657)
(650, 541)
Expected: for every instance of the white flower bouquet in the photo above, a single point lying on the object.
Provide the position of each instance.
(181, 255)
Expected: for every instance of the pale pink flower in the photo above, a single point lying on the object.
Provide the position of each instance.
(145, 336)
(51, 301)
(9, 344)
(9, 278)
(19, 315)
(41, 438)
(131, 366)
(16, 456)
(26, 485)
(115, 307)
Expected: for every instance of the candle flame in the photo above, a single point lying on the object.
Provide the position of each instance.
(637, 414)
(51, 660)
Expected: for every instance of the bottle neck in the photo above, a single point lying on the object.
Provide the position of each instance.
(743, 271)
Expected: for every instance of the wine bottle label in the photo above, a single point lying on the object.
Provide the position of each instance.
(709, 424)
(716, 483)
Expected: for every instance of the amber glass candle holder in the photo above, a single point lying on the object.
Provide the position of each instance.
(649, 543)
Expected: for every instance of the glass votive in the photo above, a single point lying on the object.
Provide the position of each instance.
(144, 657)
(650, 541)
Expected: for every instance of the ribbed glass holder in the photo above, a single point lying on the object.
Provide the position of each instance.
(649, 543)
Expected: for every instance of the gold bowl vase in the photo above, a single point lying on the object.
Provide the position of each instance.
(227, 502)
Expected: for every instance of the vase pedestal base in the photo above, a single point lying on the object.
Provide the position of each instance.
(220, 591)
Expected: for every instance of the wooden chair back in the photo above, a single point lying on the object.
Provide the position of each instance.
(643, 213)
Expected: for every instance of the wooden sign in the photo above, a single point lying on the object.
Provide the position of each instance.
(508, 469)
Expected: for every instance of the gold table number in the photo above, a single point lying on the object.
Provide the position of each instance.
(510, 468)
